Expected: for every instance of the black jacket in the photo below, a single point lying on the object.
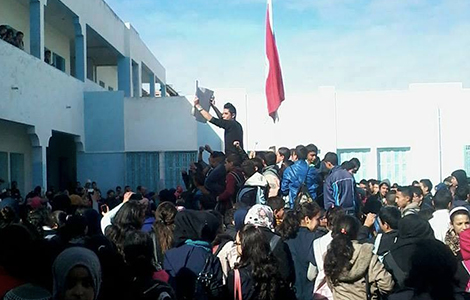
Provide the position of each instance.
(284, 257)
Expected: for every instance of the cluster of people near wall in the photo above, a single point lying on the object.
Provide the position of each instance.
(12, 36)
(267, 225)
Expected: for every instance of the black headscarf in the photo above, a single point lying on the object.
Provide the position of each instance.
(195, 225)
(411, 229)
(461, 177)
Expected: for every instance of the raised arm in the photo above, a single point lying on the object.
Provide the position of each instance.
(201, 110)
(217, 111)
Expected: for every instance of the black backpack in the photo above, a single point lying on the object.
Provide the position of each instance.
(209, 281)
(303, 195)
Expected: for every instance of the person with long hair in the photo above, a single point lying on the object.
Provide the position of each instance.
(299, 232)
(258, 269)
(129, 217)
(352, 270)
(139, 256)
(163, 229)
(432, 274)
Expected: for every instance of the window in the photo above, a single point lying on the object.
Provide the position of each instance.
(364, 157)
(175, 162)
(143, 168)
(102, 84)
(110, 88)
(59, 62)
(393, 164)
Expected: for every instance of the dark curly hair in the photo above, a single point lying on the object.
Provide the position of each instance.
(341, 250)
(130, 217)
(256, 252)
(292, 219)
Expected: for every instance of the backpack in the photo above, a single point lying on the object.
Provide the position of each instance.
(251, 195)
(240, 181)
(209, 281)
(303, 195)
(398, 274)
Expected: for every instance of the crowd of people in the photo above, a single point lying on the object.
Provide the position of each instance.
(11, 36)
(266, 225)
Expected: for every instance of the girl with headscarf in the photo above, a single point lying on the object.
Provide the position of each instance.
(192, 255)
(459, 221)
(411, 229)
(76, 275)
(262, 216)
(458, 180)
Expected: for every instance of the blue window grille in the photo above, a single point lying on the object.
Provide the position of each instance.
(393, 164)
(175, 162)
(364, 157)
(143, 168)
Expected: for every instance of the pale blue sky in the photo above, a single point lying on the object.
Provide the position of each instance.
(351, 44)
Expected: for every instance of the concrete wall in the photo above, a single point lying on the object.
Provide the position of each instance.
(37, 94)
(370, 119)
(109, 76)
(107, 169)
(160, 124)
(98, 15)
(104, 124)
(58, 43)
(16, 15)
(15, 139)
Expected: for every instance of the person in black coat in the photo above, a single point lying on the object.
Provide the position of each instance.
(258, 270)
(263, 217)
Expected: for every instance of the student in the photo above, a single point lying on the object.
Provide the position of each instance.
(404, 200)
(77, 275)
(340, 187)
(459, 221)
(227, 121)
(432, 274)
(388, 221)
(297, 175)
(163, 229)
(139, 256)
(258, 271)
(277, 205)
(262, 217)
(320, 246)
(301, 234)
(348, 265)
(440, 218)
(411, 229)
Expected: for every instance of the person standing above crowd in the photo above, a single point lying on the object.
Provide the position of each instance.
(226, 120)
(339, 188)
(297, 175)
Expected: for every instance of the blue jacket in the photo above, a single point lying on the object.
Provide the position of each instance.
(293, 178)
(301, 248)
(340, 190)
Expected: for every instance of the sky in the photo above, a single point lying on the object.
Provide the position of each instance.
(350, 44)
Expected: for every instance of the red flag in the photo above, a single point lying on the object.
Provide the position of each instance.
(274, 84)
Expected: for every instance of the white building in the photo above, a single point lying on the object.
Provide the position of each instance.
(83, 116)
(401, 135)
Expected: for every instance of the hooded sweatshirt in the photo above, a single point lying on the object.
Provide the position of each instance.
(352, 282)
(411, 229)
(69, 259)
(255, 191)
